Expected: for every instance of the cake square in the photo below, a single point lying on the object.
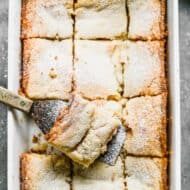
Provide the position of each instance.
(47, 19)
(147, 19)
(99, 176)
(144, 71)
(96, 19)
(98, 68)
(84, 129)
(145, 118)
(40, 171)
(47, 69)
(145, 173)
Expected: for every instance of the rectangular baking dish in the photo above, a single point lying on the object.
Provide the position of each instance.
(21, 128)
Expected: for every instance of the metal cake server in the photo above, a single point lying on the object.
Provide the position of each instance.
(45, 113)
(114, 147)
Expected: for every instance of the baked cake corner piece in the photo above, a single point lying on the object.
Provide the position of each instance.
(105, 122)
(47, 19)
(101, 19)
(47, 69)
(98, 69)
(99, 176)
(146, 173)
(84, 129)
(144, 71)
(40, 171)
(147, 126)
(147, 19)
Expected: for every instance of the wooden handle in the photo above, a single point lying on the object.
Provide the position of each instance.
(15, 100)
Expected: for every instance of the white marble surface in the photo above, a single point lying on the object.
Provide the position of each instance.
(3, 82)
(185, 89)
(184, 10)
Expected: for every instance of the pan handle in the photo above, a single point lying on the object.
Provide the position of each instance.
(14, 100)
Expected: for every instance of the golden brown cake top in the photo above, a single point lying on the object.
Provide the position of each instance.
(146, 173)
(44, 172)
(145, 118)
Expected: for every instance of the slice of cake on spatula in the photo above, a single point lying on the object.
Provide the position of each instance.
(84, 128)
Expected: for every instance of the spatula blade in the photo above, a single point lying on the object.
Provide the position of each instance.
(45, 113)
(114, 147)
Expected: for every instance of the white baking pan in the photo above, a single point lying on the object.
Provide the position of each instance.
(20, 128)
